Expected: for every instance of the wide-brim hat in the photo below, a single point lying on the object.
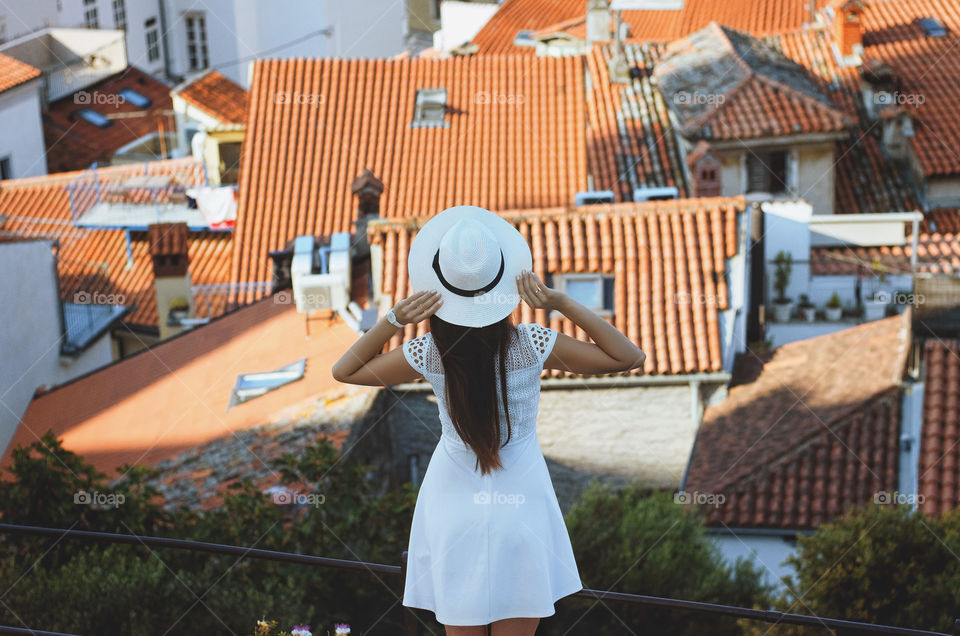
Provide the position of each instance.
(472, 257)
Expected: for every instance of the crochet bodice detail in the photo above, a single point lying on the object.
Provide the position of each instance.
(529, 348)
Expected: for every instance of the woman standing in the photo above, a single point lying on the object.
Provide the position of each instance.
(488, 546)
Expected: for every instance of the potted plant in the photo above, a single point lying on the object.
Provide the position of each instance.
(807, 308)
(782, 306)
(833, 309)
(875, 307)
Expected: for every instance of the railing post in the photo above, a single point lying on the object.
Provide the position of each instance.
(409, 619)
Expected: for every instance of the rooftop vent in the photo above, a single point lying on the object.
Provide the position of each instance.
(932, 27)
(593, 197)
(430, 110)
(664, 193)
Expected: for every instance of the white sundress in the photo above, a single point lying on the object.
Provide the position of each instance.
(488, 547)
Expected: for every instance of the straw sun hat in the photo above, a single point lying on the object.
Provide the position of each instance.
(472, 257)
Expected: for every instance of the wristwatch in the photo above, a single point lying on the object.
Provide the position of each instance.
(392, 319)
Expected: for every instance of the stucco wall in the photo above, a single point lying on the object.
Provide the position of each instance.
(23, 143)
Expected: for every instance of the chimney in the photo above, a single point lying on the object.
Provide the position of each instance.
(171, 276)
(706, 170)
(368, 189)
(847, 28)
(598, 21)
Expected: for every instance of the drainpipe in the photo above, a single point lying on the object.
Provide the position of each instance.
(697, 416)
(913, 244)
(162, 4)
(911, 417)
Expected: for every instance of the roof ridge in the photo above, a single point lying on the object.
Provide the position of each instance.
(54, 178)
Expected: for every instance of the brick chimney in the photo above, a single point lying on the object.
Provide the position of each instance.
(706, 170)
(847, 27)
(368, 189)
(598, 21)
(171, 276)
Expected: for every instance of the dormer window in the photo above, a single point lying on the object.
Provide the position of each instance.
(97, 119)
(767, 172)
(430, 110)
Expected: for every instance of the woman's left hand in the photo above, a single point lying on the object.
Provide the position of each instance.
(417, 307)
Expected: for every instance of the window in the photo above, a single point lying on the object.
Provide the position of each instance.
(654, 193)
(593, 197)
(524, 38)
(95, 118)
(435, 10)
(153, 39)
(430, 109)
(120, 14)
(933, 27)
(197, 55)
(90, 14)
(5, 171)
(253, 385)
(767, 172)
(135, 98)
(229, 161)
(591, 290)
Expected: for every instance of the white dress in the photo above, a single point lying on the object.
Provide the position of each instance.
(487, 547)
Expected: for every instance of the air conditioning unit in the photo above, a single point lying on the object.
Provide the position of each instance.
(320, 291)
(326, 290)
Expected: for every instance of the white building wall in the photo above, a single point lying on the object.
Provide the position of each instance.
(20, 17)
(30, 338)
(460, 21)
(768, 552)
(23, 143)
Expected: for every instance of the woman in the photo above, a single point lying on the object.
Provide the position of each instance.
(488, 545)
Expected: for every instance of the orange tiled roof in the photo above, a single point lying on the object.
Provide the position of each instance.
(816, 431)
(14, 72)
(940, 433)
(184, 384)
(724, 84)
(96, 261)
(73, 143)
(668, 259)
(217, 95)
(513, 16)
(515, 140)
(937, 253)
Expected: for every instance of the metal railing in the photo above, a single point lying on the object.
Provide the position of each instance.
(410, 619)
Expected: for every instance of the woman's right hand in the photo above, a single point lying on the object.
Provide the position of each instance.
(536, 294)
(417, 307)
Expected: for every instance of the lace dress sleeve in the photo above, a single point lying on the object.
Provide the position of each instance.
(417, 353)
(542, 340)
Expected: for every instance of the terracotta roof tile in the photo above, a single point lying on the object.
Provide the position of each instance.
(74, 143)
(515, 139)
(668, 260)
(184, 384)
(937, 253)
(939, 469)
(815, 432)
(513, 16)
(96, 261)
(218, 96)
(14, 72)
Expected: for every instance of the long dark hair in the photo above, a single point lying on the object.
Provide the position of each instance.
(469, 356)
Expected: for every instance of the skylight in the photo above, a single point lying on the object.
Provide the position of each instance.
(135, 98)
(524, 38)
(253, 385)
(94, 117)
(593, 197)
(933, 27)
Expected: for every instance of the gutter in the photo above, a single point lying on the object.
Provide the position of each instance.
(721, 377)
